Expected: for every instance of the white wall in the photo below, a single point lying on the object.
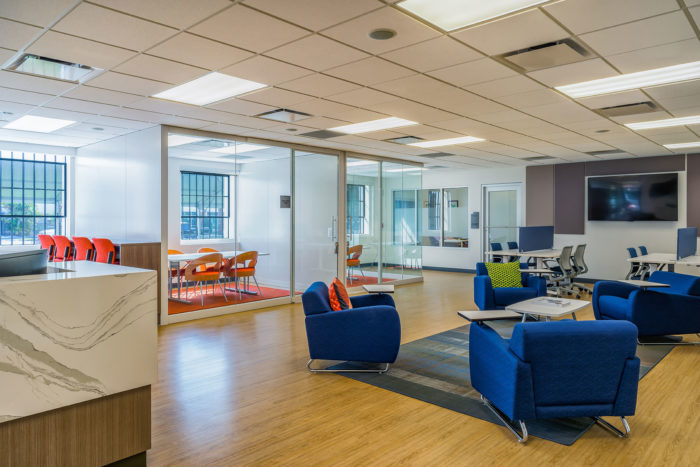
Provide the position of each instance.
(466, 258)
(117, 189)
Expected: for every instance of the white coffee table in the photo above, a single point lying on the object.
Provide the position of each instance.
(642, 284)
(477, 316)
(379, 288)
(549, 307)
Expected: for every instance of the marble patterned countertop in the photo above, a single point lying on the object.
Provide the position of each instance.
(74, 270)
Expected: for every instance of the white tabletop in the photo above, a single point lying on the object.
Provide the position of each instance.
(193, 256)
(690, 260)
(548, 306)
(487, 315)
(654, 258)
(537, 271)
(643, 284)
(531, 254)
(379, 288)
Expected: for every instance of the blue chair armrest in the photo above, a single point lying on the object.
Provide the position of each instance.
(372, 300)
(538, 283)
(499, 374)
(364, 334)
(483, 293)
(617, 289)
(626, 400)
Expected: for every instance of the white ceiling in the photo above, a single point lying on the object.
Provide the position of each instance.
(317, 57)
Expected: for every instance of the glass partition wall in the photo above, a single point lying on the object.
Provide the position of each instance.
(269, 216)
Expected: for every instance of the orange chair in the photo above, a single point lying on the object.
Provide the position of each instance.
(64, 248)
(106, 251)
(192, 273)
(353, 261)
(175, 272)
(242, 266)
(48, 244)
(84, 249)
(206, 267)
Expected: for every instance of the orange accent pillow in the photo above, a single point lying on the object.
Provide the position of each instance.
(338, 296)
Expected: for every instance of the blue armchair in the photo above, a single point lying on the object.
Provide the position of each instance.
(487, 297)
(655, 311)
(556, 369)
(368, 332)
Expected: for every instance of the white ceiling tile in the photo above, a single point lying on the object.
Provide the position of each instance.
(432, 54)
(246, 28)
(690, 3)
(275, 97)
(321, 122)
(176, 13)
(103, 25)
(59, 113)
(24, 97)
(532, 98)
(77, 50)
(15, 109)
(239, 106)
(356, 32)
(6, 54)
(370, 71)
(512, 33)
(317, 53)
(80, 106)
(106, 129)
(14, 80)
(159, 105)
(129, 84)
(183, 121)
(610, 100)
(135, 114)
(663, 29)
(318, 85)
(117, 122)
(105, 96)
(199, 51)
(16, 35)
(656, 57)
(561, 112)
(414, 111)
(355, 115)
(504, 86)
(689, 88)
(265, 70)
(682, 106)
(321, 107)
(228, 129)
(647, 117)
(695, 13)
(574, 73)
(589, 15)
(315, 14)
(474, 72)
(160, 69)
(36, 12)
(362, 97)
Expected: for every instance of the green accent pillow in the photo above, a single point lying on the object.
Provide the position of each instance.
(504, 274)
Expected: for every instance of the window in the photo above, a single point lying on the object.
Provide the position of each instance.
(32, 196)
(357, 218)
(405, 217)
(205, 205)
(445, 218)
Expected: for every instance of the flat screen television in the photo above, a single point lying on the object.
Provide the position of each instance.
(649, 197)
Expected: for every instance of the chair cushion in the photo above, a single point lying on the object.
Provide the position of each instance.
(338, 296)
(504, 274)
(613, 307)
(505, 296)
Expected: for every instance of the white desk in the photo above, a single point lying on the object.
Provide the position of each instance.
(689, 261)
(548, 307)
(656, 260)
(539, 255)
(476, 316)
(642, 284)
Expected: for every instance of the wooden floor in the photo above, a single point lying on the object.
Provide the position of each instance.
(234, 390)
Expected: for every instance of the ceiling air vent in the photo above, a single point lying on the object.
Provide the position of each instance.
(322, 134)
(404, 140)
(538, 158)
(53, 68)
(547, 55)
(284, 115)
(607, 152)
(628, 109)
(437, 154)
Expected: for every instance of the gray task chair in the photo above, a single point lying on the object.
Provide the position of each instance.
(580, 268)
(564, 273)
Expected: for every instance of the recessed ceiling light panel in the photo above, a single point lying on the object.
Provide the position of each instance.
(640, 79)
(374, 125)
(179, 140)
(209, 88)
(665, 123)
(52, 68)
(694, 144)
(454, 14)
(38, 124)
(447, 142)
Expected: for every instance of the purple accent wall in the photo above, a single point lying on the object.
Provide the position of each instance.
(539, 195)
(570, 198)
(693, 185)
(637, 165)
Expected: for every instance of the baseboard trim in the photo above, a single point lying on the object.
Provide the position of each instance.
(438, 268)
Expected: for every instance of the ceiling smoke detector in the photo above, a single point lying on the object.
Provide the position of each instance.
(382, 34)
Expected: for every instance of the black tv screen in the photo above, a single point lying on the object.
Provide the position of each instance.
(651, 197)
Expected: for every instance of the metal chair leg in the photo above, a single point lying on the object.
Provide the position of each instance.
(521, 435)
(613, 428)
(223, 292)
(256, 285)
(325, 370)
(201, 293)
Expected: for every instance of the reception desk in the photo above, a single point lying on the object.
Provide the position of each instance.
(77, 358)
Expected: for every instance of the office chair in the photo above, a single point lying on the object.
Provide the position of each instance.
(48, 244)
(580, 268)
(177, 272)
(106, 252)
(84, 249)
(564, 273)
(64, 248)
(637, 270)
(353, 260)
(206, 267)
(194, 274)
(496, 247)
(513, 246)
(643, 250)
(242, 266)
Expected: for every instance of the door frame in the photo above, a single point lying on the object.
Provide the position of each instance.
(485, 189)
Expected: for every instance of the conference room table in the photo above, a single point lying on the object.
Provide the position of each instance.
(174, 262)
(539, 255)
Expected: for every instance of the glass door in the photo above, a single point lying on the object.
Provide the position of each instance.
(502, 214)
(315, 219)
(363, 224)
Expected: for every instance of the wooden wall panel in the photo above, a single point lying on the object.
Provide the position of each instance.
(142, 255)
(539, 195)
(637, 165)
(693, 184)
(92, 433)
(570, 198)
